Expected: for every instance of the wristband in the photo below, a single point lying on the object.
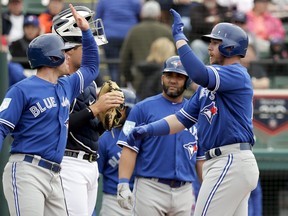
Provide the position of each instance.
(123, 180)
(159, 128)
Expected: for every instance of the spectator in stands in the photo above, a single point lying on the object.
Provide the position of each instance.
(18, 48)
(278, 50)
(181, 6)
(137, 44)
(278, 54)
(258, 73)
(211, 13)
(165, 6)
(264, 26)
(118, 18)
(12, 21)
(45, 18)
(236, 5)
(279, 8)
(149, 71)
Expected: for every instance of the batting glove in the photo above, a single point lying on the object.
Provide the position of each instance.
(177, 27)
(124, 196)
(139, 132)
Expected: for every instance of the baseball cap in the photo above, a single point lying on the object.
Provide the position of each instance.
(239, 17)
(31, 20)
(151, 9)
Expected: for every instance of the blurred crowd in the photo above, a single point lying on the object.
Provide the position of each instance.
(132, 56)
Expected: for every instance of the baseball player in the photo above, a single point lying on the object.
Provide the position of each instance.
(79, 166)
(36, 112)
(222, 107)
(164, 166)
(109, 155)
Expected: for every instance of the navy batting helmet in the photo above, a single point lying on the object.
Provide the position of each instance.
(129, 97)
(46, 50)
(234, 39)
(174, 64)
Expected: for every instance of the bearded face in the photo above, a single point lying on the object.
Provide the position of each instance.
(173, 84)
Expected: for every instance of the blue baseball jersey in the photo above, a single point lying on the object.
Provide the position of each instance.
(169, 157)
(223, 110)
(108, 161)
(37, 111)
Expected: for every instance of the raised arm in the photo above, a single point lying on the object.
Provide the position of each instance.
(89, 69)
(194, 67)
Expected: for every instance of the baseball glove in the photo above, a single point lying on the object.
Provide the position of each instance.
(112, 117)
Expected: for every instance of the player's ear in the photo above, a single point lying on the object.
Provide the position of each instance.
(162, 79)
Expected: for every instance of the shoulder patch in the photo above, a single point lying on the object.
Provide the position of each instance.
(5, 104)
(128, 126)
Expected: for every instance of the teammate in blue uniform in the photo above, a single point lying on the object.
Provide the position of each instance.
(164, 166)
(109, 155)
(79, 166)
(255, 201)
(222, 108)
(36, 112)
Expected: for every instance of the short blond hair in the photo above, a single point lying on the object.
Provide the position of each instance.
(160, 50)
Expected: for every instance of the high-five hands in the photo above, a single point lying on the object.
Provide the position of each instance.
(177, 27)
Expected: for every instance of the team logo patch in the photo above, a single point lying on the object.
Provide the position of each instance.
(191, 148)
(209, 111)
(176, 63)
(128, 126)
(5, 104)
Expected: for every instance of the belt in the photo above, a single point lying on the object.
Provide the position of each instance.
(170, 182)
(215, 152)
(43, 163)
(86, 156)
